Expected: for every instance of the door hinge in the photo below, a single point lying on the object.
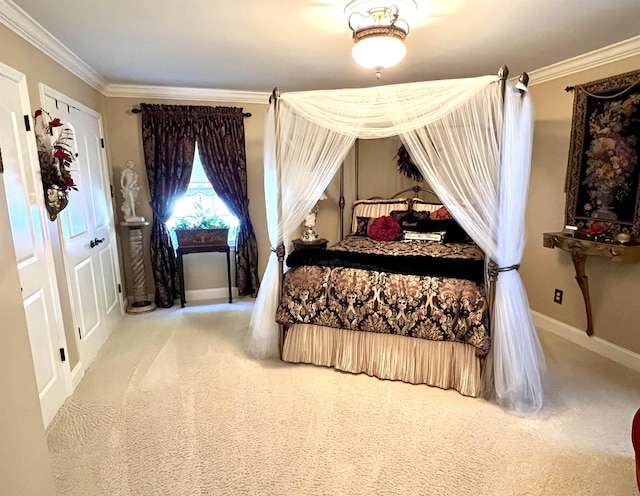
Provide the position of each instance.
(111, 189)
(102, 142)
(62, 355)
(27, 123)
(79, 333)
(119, 288)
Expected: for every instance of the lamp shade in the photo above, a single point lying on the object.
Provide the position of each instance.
(378, 51)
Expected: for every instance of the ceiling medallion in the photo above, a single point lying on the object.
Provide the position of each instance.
(378, 33)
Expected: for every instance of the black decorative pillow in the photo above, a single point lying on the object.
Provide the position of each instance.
(362, 226)
(410, 221)
(453, 231)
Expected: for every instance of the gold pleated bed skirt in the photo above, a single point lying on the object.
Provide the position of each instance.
(443, 364)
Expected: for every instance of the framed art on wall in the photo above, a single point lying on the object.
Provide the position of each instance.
(603, 189)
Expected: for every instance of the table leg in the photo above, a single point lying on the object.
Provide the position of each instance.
(579, 260)
(229, 275)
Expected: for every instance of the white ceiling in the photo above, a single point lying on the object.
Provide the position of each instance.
(254, 45)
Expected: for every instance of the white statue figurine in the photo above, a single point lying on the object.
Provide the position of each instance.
(130, 188)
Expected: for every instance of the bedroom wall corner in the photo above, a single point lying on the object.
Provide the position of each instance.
(613, 287)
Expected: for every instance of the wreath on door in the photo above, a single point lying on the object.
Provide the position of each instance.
(406, 165)
(55, 161)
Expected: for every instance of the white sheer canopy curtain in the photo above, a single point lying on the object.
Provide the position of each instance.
(300, 159)
(453, 132)
(477, 160)
(518, 360)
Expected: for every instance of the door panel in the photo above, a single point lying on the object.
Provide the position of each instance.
(34, 257)
(38, 322)
(86, 294)
(92, 268)
(110, 288)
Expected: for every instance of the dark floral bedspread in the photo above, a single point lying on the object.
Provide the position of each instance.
(363, 244)
(435, 308)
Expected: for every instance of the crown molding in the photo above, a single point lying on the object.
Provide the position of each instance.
(176, 93)
(589, 60)
(27, 28)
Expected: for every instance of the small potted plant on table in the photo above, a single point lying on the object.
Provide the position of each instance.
(203, 228)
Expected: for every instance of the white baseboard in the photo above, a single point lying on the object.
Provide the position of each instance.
(76, 375)
(592, 343)
(210, 294)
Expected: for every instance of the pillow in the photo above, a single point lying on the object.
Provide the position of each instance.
(437, 236)
(409, 220)
(384, 228)
(376, 208)
(453, 231)
(441, 214)
(419, 205)
(362, 226)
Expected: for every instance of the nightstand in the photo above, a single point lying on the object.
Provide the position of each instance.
(298, 244)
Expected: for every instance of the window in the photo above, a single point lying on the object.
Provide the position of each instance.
(201, 192)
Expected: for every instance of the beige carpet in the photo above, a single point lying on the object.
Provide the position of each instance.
(172, 406)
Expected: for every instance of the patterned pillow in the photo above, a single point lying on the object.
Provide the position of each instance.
(441, 214)
(362, 226)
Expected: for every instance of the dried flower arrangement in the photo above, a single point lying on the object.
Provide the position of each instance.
(55, 161)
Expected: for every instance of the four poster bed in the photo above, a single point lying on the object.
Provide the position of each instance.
(403, 309)
(413, 310)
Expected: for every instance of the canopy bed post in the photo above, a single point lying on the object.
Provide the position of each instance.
(492, 267)
(280, 249)
(341, 201)
(357, 168)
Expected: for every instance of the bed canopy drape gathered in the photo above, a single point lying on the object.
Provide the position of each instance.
(473, 147)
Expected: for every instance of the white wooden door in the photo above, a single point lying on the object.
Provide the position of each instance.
(87, 226)
(34, 256)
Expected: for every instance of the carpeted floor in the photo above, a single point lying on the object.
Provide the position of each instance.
(173, 406)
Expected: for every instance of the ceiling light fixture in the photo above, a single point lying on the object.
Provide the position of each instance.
(378, 33)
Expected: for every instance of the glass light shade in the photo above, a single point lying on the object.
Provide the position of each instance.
(381, 51)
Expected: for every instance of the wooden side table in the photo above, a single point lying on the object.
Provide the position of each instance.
(298, 244)
(580, 249)
(184, 250)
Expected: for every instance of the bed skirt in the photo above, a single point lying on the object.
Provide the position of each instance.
(444, 364)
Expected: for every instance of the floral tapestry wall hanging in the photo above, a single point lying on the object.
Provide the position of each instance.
(55, 156)
(603, 170)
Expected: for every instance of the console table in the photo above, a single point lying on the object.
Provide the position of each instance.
(184, 250)
(580, 249)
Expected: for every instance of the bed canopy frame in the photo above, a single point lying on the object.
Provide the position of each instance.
(471, 139)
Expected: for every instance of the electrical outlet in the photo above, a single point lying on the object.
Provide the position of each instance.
(557, 296)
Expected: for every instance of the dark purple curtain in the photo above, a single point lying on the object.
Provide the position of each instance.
(220, 137)
(169, 140)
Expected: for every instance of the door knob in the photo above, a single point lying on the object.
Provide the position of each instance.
(95, 242)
